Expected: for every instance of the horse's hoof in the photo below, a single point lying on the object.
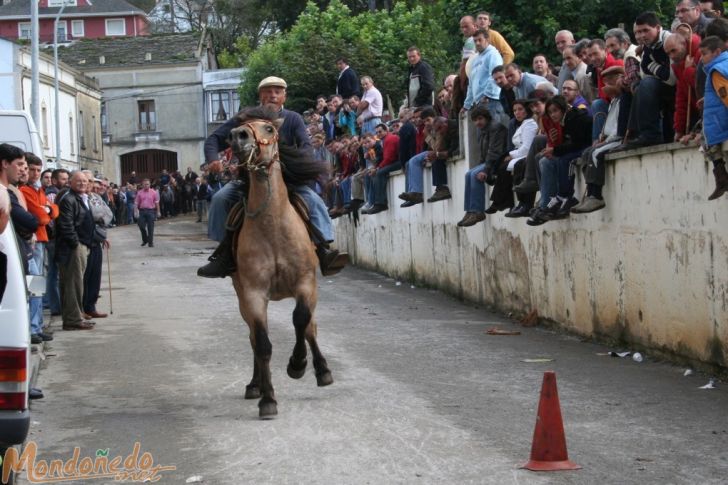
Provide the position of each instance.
(296, 372)
(324, 379)
(252, 392)
(267, 409)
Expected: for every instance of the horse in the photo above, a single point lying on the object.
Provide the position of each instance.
(274, 253)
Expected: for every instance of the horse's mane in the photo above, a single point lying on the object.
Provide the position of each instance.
(298, 164)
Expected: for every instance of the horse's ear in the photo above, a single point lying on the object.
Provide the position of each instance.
(278, 122)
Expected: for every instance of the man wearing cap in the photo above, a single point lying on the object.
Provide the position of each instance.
(272, 95)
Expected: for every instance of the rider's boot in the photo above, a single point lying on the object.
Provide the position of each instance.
(222, 261)
(331, 260)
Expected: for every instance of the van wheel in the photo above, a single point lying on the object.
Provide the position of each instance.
(11, 478)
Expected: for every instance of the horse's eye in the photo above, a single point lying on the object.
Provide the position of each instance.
(269, 128)
(243, 134)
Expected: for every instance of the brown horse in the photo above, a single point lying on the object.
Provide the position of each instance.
(275, 257)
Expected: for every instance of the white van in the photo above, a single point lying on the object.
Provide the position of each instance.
(15, 368)
(17, 128)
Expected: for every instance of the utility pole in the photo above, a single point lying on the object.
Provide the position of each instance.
(55, 85)
(34, 63)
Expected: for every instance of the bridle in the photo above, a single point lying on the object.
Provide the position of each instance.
(249, 163)
(258, 169)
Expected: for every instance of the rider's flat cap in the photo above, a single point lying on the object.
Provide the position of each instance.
(272, 81)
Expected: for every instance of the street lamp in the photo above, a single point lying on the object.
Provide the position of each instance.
(55, 66)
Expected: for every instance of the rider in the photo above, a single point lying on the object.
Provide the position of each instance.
(272, 95)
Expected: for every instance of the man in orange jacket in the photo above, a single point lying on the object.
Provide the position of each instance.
(45, 212)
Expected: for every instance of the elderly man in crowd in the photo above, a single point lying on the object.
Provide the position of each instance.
(74, 236)
(600, 60)
(102, 216)
(579, 75)
(687, 111)
(369, 109)
(147, 204)
(563, 39)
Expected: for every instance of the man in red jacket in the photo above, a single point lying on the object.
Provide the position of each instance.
(45, 212)
(684, 63)
(380, 174)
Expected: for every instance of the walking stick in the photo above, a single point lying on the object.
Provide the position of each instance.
(108, 271)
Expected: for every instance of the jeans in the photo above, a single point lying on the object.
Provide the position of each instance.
(222, 201)
(474, 190)
(146, 225)
(130, 213)
(368, 126)
(646, 106)
(415, 173)
(555, 178)
(317, 211)
(201, 206)
(496, 111)
(599, 109)
(380, 182)
(52, 296)
(369, 189)
(35, 267)
(346, 191)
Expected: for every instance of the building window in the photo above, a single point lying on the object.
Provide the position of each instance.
(62, 30)
(24, 30)
(81, 131)
(77, 28)
(96, 134)
(147, 116)
(223, 105)
(44, 123)
(104, 119)
(70, 134)
(115, 27)
(59, 3)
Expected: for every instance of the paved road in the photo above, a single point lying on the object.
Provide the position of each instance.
(421, 393)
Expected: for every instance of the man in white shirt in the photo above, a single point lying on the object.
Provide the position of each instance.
(369, 110)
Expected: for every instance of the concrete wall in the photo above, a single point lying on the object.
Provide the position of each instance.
(650, 270)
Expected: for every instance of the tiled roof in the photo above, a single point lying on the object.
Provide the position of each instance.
(131, 51)
(18, 8)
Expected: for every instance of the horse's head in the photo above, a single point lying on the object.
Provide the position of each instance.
(255, 143)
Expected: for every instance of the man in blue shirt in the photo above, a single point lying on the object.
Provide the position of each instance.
(482, 88)
(272, 94)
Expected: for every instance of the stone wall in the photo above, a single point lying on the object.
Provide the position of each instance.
(650, 270)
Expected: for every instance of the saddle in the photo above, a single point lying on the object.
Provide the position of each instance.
(236, 217)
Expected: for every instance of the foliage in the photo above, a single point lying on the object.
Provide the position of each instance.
(375, 43)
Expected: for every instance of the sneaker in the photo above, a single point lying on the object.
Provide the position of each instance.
(519, 211)
(377, 209)
(590, 204)
(539, 217)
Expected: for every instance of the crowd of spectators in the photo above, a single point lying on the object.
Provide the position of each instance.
(536, 129)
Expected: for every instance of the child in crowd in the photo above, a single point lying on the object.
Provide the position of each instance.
(715, 112)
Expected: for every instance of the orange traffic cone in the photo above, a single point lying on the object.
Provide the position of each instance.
(548, 452)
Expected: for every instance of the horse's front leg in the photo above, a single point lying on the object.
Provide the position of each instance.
(255, 312)
(307, 327)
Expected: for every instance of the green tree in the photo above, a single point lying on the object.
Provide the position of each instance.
(375, 43)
